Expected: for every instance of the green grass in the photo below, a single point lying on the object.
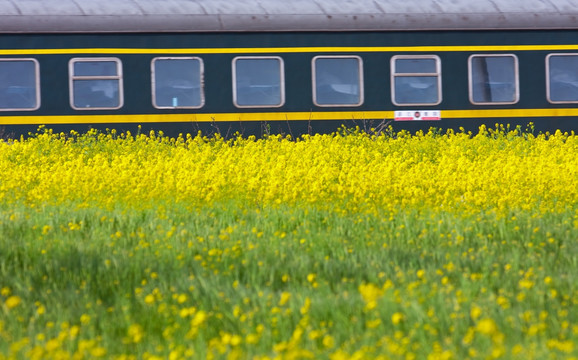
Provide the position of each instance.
(411, 286)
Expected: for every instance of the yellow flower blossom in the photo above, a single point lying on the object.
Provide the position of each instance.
(486, 326)
(13, 301)
(397, 318)
(135, 333)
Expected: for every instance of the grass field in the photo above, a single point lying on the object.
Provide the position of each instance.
(342, 246)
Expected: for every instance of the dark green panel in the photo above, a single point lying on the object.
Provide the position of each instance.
(218, 40)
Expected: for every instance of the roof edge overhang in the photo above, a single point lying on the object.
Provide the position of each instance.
(283, 23)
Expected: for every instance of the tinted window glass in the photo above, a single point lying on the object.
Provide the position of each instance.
(95, 83)
(416, 90)
(563, 78)
(416, 80)
(96, 94)
(493, 79)
(258, 82)
(95, 68)
(19, 85)
(337, 81)
(413, 66)
(177, 83)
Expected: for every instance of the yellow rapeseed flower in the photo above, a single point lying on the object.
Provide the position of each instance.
(135, 333)
(12, 301)
(397, 318)
(486, 326)
(475, 312)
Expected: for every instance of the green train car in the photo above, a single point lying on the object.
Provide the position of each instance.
(292, 67)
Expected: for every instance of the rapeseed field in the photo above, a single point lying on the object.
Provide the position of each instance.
(342, 246)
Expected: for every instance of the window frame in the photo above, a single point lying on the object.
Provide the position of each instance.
(516, 76)
(36, 83)
(437, 74)
(361, 80)
(547, 60)
(281, 82)
(118, 77)
(201, 76)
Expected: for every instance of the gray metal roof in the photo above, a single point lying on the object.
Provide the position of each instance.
(282, 15)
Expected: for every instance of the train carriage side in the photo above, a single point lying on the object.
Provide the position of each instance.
(291, 82)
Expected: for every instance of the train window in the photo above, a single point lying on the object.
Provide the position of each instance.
(95, 83)
(177, 82)
(562, 78)
(416, 80)
(337, 81)
(258, 81)
(19, 84)
(493, 79)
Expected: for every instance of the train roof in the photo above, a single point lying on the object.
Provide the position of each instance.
(38, 16)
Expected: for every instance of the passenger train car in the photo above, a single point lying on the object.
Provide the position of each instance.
(287, 66)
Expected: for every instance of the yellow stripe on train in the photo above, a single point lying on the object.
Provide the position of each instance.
(311, 49)
(276, 116)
